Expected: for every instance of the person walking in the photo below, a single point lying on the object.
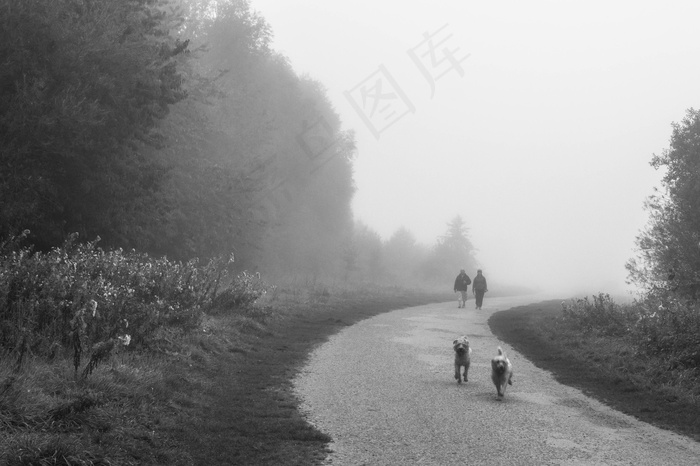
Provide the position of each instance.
(462, 285)
(479, 287)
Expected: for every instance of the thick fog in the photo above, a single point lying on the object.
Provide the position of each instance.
(535, 121)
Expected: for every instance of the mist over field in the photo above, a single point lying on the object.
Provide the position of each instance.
(540, 138)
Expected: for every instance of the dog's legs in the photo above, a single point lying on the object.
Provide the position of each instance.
(457, 374)
(466, 372)
(499, 383)
(510, 379)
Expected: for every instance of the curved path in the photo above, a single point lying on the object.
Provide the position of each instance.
(383, 389)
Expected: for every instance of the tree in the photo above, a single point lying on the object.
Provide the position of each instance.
(82, 86)
(349, 260)
(668, 249)
(453, 251)
(217, 138)
(402, 256)
(280, 189)
(368, 250)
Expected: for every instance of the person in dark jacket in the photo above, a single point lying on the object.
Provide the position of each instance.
(479, 287)
(462, 285)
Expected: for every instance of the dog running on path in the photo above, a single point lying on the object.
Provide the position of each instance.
(462, 357)
(501, 372)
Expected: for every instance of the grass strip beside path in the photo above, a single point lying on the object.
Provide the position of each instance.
(251, 414)
(605, 368)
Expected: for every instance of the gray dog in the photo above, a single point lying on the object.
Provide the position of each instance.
(501, 372)
(462, 357)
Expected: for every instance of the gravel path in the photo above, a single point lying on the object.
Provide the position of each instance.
(385, 392)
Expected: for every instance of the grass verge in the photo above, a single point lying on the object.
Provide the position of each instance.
(606, 368)
(248, 414)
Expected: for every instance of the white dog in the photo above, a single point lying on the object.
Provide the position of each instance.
(501, 372)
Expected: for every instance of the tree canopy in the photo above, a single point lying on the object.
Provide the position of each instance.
(668, 249)
(82, 87)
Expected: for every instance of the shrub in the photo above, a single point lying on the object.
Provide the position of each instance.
(78, 295)
(669, 327)
(660, 325)
(245, 289)
(601, 315)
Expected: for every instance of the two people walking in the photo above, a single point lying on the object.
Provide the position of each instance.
(479, 287)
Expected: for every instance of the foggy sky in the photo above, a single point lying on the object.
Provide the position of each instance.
(540, 137)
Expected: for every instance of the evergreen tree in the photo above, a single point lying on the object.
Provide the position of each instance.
(453, 251)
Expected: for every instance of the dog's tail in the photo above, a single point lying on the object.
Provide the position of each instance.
(500, 351)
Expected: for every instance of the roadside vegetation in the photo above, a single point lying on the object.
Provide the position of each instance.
(86, 336)
(640, 358)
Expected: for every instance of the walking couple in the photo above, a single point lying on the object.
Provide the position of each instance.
(479, 287)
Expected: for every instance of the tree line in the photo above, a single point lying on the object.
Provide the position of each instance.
(175, 129)
(169, 128)
(401, 259)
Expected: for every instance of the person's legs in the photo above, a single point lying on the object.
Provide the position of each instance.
(464, 298)
(479, 299)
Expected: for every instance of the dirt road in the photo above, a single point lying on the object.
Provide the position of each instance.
(385, 392)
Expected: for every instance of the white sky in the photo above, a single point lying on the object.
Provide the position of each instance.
(543, 145)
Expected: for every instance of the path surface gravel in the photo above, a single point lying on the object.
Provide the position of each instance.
(384, 390)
